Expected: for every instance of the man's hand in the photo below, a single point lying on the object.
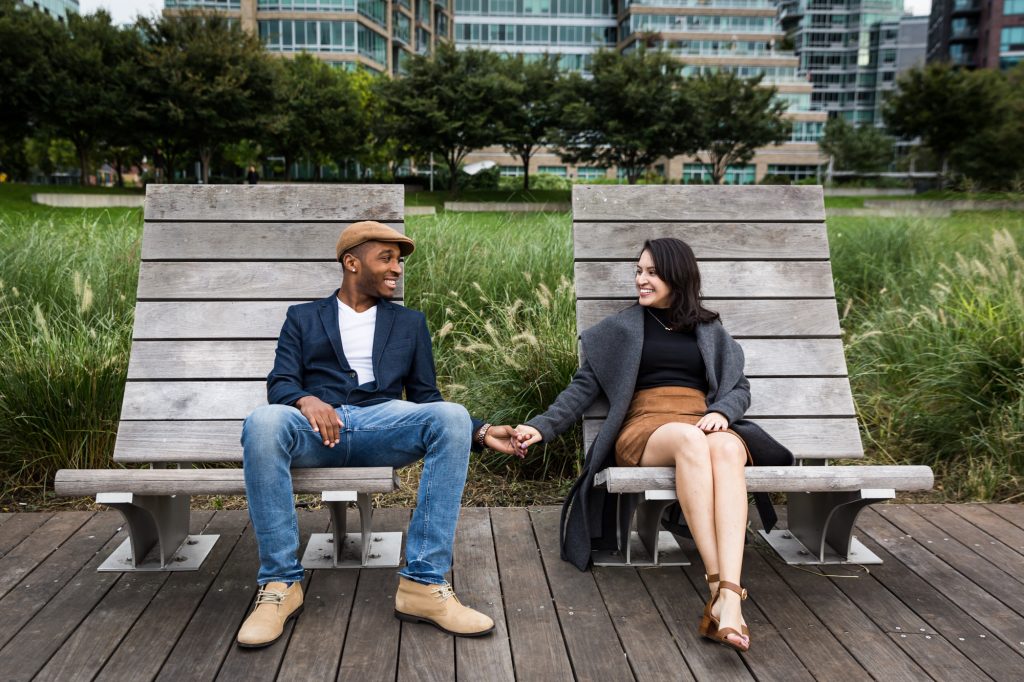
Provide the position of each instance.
(713, 421)
(503, 439)
(322, 418)
(525, 437)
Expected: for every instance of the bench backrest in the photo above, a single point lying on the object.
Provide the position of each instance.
(764, 261)
(220, 266)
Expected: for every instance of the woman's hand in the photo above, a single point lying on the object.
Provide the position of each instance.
(712, 421)
(525, 437)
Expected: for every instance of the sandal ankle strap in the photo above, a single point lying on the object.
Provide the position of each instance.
(726, 585)
(711, 578)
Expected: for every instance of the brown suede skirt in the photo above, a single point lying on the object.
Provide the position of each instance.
(652, 408)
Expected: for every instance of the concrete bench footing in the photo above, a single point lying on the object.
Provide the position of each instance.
(648, 545)
(339, 549)
(158, 538)
(821, 528)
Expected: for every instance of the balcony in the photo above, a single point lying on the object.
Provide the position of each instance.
(966, 7)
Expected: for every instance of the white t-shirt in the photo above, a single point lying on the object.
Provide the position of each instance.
(357, 339)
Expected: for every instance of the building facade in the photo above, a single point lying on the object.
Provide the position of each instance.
(377, 35)
(896, 46)
(740, 36)
(833, 38)
(977, 34)
(58, 9)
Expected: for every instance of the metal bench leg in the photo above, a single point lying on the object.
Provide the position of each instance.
(821, 528)
(339, 549)
(158, 538)
(648, 545)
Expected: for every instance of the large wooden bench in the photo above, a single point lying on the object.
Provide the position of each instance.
(764, 261)
(220, 266)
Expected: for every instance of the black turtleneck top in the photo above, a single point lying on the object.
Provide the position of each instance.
(669, 358)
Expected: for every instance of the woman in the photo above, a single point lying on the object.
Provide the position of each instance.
(673, 378)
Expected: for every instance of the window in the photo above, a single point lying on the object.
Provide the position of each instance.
(1012, 39)
(590, 172)
(1011, 7)
(554, 170)
(511, 171)
(695, 173)
(792, 171)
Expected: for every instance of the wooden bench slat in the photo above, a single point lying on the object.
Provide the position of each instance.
(719, 279)
(238, 241)
(806, 317)
(338, 203)
(238, 281)
(781, 479)
(759, 241)
(784, 397)
(216, 481)
(179, 441)
(211, 319)
(829, 438)
(242, 359)
(697, 203)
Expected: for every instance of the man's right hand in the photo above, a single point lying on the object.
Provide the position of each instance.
(322, 418)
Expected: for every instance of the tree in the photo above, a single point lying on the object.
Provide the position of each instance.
(26, 39)
(994, 157)
(207, 83)
(319, 113)
(740, 115)
(944, 106)
(532, 108)
(448, 105)
(864, 149)
(634, 110)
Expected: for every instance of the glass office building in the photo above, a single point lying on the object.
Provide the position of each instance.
(58, 9)
(377, 35)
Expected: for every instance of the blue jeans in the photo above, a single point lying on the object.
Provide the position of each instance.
(277, 438)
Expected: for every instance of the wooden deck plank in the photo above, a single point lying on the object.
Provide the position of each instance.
(48, 578)
(939, 616)
(938, 658)
(680, 606)
(153, 636)
(68, 599)
(27, 554)
(538, 649)
(797, 624)
(96, 638)
(944, 544)
(989, 619)
(1014, 513)
(993, 524)
(371, 647)
(973, 538)
(262, 664)
(848, 624)
(475, 579)
(650, 650)
(314, 649)
(590, 637)
(17, 528)
(209, 635)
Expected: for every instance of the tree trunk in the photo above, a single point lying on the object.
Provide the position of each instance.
(205, 154)
(526, 170)
(83, 164)
(287, 167)
(944, 170)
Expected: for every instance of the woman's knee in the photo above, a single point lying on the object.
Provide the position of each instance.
(688, 444)
(727, 451)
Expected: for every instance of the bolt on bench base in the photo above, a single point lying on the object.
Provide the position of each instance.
(821, 528)
(158, 538)
(364, 549)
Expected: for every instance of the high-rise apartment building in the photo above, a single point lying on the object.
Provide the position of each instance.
(832, 38)
(740, 36)
(895, 47)
(58, 9)
(976, 33)
(378, 35)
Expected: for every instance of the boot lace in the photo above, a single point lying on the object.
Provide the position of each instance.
(266, 596)
(444, 592)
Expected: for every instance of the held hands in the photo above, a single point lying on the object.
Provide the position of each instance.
(503, 439)
(322, 418)
(525, 436)
(713, 421)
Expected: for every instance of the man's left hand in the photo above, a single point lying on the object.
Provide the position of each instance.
(501, 439)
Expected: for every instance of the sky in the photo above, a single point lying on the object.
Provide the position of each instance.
(124, 11)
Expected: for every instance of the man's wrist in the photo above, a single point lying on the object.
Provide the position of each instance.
(481, 435)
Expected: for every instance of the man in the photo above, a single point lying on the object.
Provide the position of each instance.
(335, 400)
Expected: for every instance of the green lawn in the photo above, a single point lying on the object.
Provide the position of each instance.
(932, 312)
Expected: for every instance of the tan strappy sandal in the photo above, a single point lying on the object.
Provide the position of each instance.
(708, 623)
(720, 634)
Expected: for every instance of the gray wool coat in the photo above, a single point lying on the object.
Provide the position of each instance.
(611, 350)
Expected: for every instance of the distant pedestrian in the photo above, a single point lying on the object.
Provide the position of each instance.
(252, 177)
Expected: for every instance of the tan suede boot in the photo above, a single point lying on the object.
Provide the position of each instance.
(438, 605)
(276, 604)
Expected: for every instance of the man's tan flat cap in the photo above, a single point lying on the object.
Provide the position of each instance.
(372, 231)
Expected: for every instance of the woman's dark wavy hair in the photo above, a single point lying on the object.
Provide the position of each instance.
(677, 267)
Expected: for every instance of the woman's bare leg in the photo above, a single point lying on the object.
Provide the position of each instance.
(687, 449)
(728, 459)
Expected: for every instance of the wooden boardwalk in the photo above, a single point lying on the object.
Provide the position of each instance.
(947, 604)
